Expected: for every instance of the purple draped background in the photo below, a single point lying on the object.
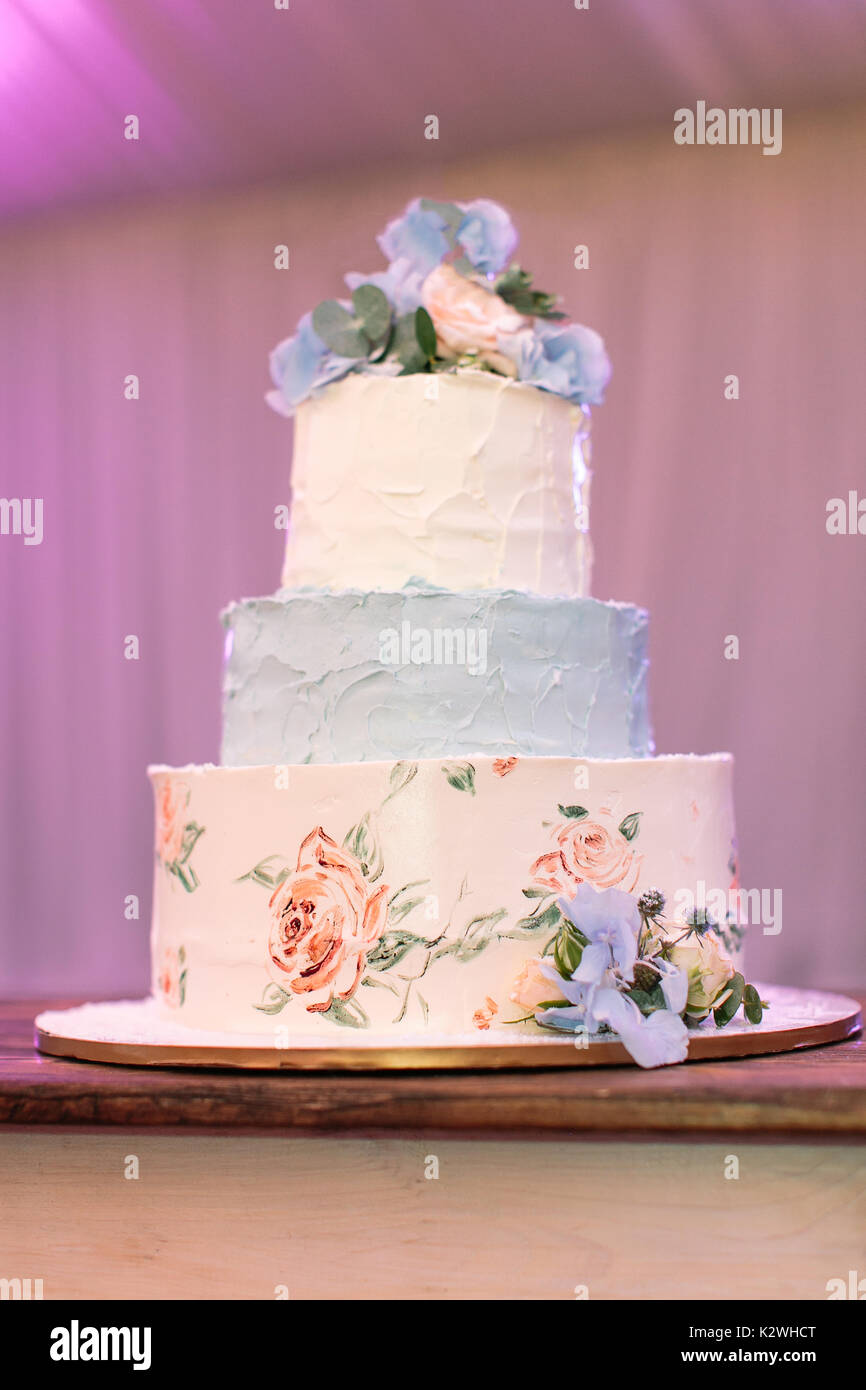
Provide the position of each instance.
(711, 512)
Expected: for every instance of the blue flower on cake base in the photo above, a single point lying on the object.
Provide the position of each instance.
(594, 962)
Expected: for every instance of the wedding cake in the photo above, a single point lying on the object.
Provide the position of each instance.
(438, 809)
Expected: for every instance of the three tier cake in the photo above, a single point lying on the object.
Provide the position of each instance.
(438, 808)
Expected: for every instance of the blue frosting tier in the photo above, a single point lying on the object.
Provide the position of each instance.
(318, 677)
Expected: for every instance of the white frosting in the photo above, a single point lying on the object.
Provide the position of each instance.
(464, 480)
(449, 854)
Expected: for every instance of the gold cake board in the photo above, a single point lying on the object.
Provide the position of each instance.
(132, 1034)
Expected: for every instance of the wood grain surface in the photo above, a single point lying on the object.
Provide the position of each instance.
(817, 1091)
(234, 1216)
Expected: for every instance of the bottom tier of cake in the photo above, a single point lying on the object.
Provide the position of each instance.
(412, 895)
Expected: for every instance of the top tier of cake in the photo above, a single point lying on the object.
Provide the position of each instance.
(466, 480)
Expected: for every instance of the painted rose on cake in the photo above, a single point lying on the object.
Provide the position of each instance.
(325, 919)
(593, 850)
(176, 833)
(171, 979)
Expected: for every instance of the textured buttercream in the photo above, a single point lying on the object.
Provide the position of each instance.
(437, 881)
(349, 677)
(465, 480)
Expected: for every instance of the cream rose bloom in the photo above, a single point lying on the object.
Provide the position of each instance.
(532, 987)
(709, 970)
(468, 317)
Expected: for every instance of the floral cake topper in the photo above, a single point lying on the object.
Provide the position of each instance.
(450, 299)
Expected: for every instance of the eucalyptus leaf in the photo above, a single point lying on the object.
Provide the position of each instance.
(425, 332)
(405, 346)
(734, 999)
(372, 308)
(752, 1005)
(339, 331)
(449, 212)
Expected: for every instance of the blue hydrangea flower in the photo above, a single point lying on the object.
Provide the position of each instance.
(418, 236)
(401, 284)
(654, 1041)
(568, 359)
(300, 365)
(612, 922)
(487, 235)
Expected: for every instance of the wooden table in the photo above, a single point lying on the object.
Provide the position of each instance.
(712, 1180)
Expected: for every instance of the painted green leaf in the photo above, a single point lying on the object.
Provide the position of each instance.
(191, 833)
(348, 1013)
(425, 332)
(373, 310)
(461, 950)
(372, 983)
(573, 812)
(391, 947)
(270, 872)
(752, 1006)
(537, 921)
(363, 842)
(536, 892)
(400, 776)
(631, 825)
(461, 776)
(484, 923)
(726, 1011)
(274, 1000)
(338, 330)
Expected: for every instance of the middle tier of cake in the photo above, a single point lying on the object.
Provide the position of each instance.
(319, 677)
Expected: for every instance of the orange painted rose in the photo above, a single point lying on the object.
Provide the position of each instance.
(325, 920)
(484, 1016)
(502, 766)
(588, 851)
(172, 800)
(172, 976)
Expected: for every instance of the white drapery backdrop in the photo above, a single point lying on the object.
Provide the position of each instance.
(704, 262)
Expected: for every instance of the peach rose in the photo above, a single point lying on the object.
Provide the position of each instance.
(172, 800)
(469, 318)
(482, 1017)
(532, 987)
(502, 766)
(325, 920)
(170, 979)
(588, 852)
